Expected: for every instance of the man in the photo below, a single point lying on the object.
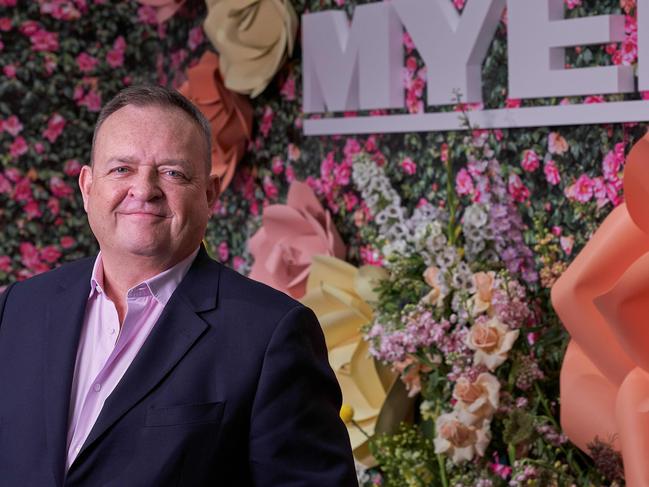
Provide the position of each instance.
(152, 365)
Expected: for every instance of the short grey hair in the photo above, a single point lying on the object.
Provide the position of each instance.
(154, 95)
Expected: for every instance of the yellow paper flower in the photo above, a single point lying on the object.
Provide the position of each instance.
(253, 38)
(339, 294)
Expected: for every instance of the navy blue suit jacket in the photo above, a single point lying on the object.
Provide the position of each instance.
(232, 388)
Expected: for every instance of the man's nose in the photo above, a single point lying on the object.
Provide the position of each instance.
(145, 186)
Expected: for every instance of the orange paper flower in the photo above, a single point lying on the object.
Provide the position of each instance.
(290, 236)
(165, 9)
(229, 114)
(602, 299)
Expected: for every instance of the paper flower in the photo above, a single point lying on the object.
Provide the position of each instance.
(602, 300)
(290, 236)
(460, 441)
(165, 9)
(492, 340)
(229, 114)
(340, 294)
(253, 38)
(476, 400)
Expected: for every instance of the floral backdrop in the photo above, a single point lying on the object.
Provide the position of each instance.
(471, 228)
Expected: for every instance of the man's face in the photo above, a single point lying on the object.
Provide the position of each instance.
(148, 193)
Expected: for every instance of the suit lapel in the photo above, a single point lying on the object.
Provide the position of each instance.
(64, 322)
(177, 329)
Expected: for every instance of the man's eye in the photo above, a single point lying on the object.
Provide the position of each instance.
(121, 170)
(174, 174)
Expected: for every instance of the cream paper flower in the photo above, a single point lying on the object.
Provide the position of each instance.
(459, 441)
(481, 300)
(477, 400)
(253, 38)
(492, 340)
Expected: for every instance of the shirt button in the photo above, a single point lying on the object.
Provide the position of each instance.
(97, 387)
(112, 331)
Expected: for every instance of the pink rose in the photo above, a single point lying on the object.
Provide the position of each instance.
(54, 206)
(224, 252)
(32, 210)
(60, 188)
(50, 254)
(530, 161)
(290, 236)
(67, 242)
(463, 182)
(266, 121)
(557, 144)
(5, 264)
(72, 167)
(572, 4)
(517, 189)
(55, 126)
(195, 37)
(12, 125)
(581, 190)
(86, 62)
(551, 173)
(288, 88)
(9, 71)
(408, 166)
(115, 58)
(43, 40)
(5, 24)
(18, 147)
(5, 185)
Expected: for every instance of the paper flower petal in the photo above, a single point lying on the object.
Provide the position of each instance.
(254, 39)
(229, 114)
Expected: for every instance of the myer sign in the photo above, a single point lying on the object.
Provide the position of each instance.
(357, 65)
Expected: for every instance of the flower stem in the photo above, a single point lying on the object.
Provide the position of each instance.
(442, 469)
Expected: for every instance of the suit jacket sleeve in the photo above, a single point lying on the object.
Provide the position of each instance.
(296, 436)
(3, 300)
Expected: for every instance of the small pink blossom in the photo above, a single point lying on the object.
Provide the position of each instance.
(146, 14)
(32, 210)
(23, 191)
(29, 27)
(55, 127)
(54, 206)
(5, 264)
(12, 125)
(407, 41)
(29, 256)
(72, 167)
(50, 254)
(351, 201)
(60, 188)
(67, 242)
(513, 103)
(567, 243)
(530, 161)
(551, 171)
(86, 63)
(5, 24)
(9, 70)
(115, 58)
(269, 188)
(370, 256)
(463, 182)
(572, 4)
(581, 190)
(294, 152)
(517, 189)
(5, 185)
(91, 100)
(43, 40)
(288, 88)
(277, 165)
(408, 166)
(18, 147)
(594, 99)
(195, 37)
(557, 144)
(238, 263)
(266, 121)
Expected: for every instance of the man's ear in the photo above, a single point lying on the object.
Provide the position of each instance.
(85, 183)
(213, 189)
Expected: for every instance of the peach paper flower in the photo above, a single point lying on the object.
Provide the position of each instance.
(229, 114)
(492, 340)
(290, 236)
(165, 9)
(476, 400)
(253, 37)
(459, 441)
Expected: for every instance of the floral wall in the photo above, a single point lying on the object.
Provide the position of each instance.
(513, 206)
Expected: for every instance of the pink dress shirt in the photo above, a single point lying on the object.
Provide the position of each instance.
(105, 352)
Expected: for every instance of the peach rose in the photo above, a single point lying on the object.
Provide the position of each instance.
(432, 278)
(290, 236)
(229, 114)
(458, 440)
(410, 370)
(476, 400)
(481, 300)
(491, 339)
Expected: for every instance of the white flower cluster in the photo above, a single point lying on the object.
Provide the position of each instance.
(476, 230)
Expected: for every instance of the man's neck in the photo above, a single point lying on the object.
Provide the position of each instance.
(121, 273)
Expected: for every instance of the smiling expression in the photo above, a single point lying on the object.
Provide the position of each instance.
(148, 192)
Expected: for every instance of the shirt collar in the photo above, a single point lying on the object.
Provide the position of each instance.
(160, 286)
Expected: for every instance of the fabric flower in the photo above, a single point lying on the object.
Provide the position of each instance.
(229, 114)
(253, 38)
(459, 441)
(290, 236)
(491, 339)
(165, 9)
(476, 400)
